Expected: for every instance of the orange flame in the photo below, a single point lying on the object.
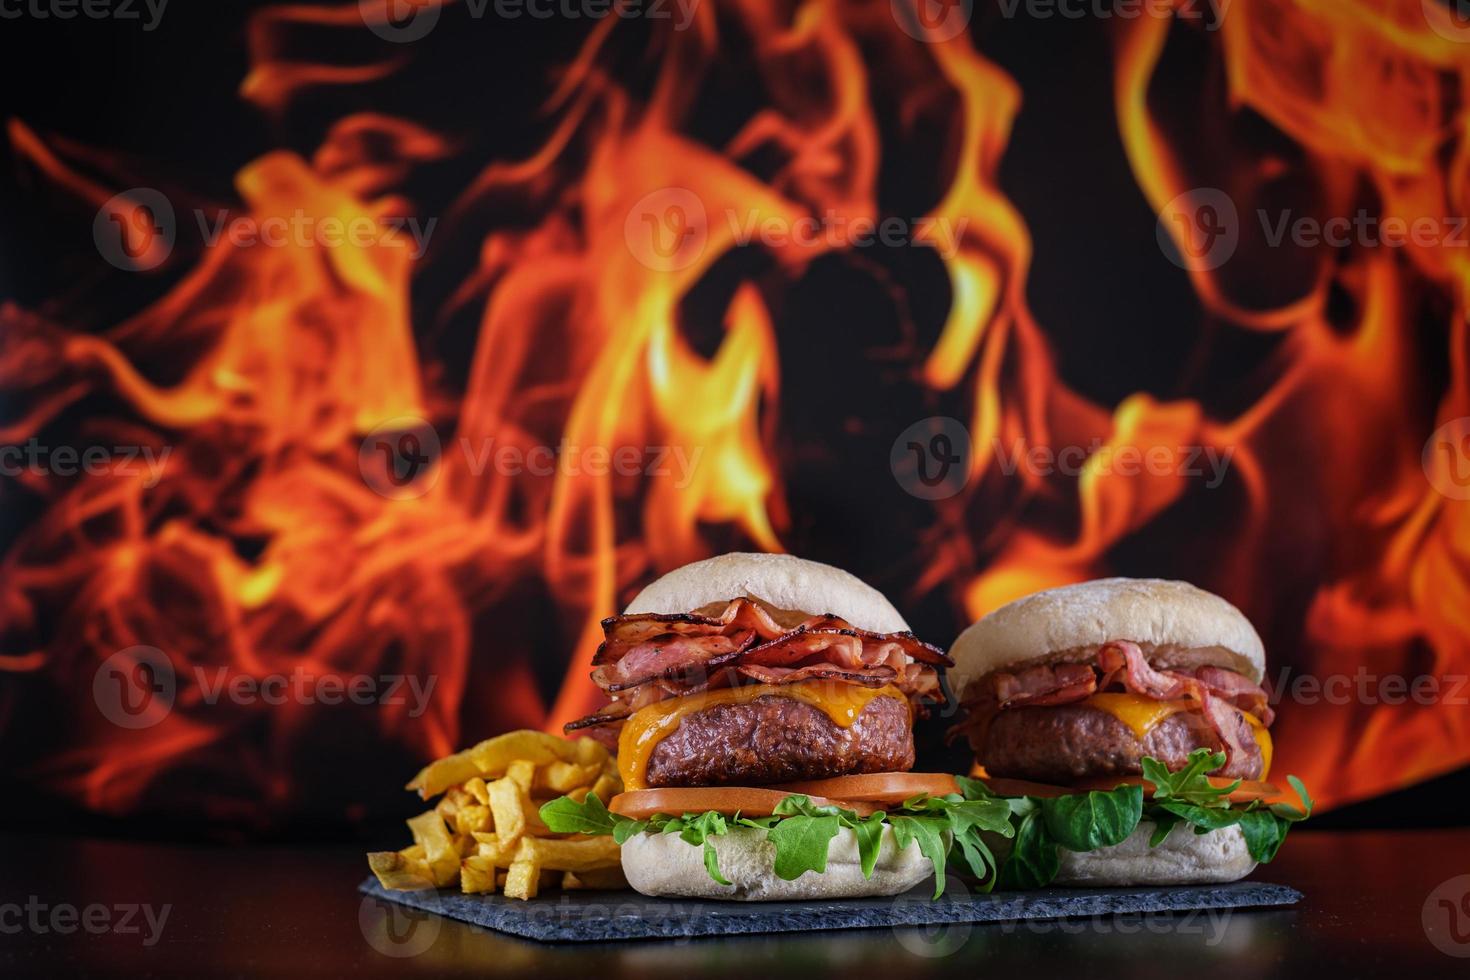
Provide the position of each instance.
(263, 548)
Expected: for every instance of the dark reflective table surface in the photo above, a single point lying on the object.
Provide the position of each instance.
(1377, 904)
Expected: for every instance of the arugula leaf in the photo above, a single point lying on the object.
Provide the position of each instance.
(870, 840)
(1288, 812)
(625, 830)
(1087, 821)
(929, 833)
(802, 806)
(974, 789)
(801, 844)
(1163, 822)
(1033, 861)
(1192, 783)
(565, 815)
(1264, 832)
(1204, 818)
(970, 851)
(712, 863)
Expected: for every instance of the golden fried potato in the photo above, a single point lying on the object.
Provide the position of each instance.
(440, 850)
(522, 879)
(477, 875)
(492, 757)
(585, 854)
(395, 870)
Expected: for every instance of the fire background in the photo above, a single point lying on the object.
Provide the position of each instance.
(606, 252)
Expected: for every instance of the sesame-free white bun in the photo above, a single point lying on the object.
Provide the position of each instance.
(1184, 858)
(785, 582)
(662, 864)
(1176, 624)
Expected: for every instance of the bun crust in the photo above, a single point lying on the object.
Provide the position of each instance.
(1176, 624)
(1184, 858)
(662, 864)
(783, 581)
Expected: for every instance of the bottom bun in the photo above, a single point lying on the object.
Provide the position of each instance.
(662, 864)
(1184, 858)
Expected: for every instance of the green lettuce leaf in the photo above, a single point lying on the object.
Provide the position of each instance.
(1087, 821)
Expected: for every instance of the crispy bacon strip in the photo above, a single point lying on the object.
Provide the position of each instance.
(647, 657)
(667, 657)
(1045, 685)
(1239, 691)
(866, 676)
(1121, 663)
(1167, 685)
(621, 633)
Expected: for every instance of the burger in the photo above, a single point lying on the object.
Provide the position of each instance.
(1126, 718)
(762, 709)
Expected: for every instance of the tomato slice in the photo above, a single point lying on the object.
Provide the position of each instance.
(876, 787)
(749, 801)
(1248, 790)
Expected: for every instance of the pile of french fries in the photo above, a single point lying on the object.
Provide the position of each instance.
(485, 832)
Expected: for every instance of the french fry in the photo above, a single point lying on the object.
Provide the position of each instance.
(558, 778)
(597, 879)
(606, 787)
(590, 752)
(522, 772)
(494, 851)
(440, 850)
(569, 855)
(470, 819)
(394, 870)
(486, 832)
(522, 879)
(490, 759)
(476, 875)
(508, 805)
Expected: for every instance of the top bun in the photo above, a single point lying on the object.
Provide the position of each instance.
(1176, 624)
(783, 581)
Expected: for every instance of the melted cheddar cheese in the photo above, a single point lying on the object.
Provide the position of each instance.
(1139, 713)
(1263, 739)
(1142, 714)
(648, 726)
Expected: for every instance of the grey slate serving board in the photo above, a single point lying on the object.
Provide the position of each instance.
(580, 916)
